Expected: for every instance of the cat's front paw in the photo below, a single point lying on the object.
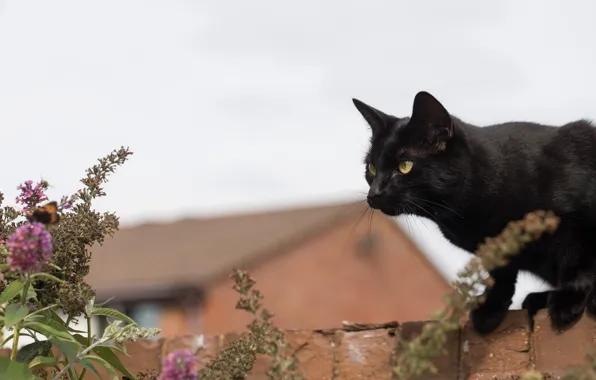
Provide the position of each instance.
(565, 308)
(535, 301)
(485, 319)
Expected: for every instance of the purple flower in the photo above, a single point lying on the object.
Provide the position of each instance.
(179, 365)
(30, 196)
(66, 203)
(30, 248)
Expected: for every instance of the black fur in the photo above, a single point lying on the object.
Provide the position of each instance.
(473, 180)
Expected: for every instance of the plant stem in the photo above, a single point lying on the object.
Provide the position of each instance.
(79, 356)
(71, 372)
(17, 327)
(89, 342)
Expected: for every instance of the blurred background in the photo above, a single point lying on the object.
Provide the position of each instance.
(248, 150)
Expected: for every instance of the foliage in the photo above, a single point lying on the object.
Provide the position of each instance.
(236, 360)
(494, 252)
(417, 355)
(43, 268)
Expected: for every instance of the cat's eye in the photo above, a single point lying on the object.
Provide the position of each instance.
(405, 167)
(372, 170)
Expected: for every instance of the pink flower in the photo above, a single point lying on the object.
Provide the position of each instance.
(179, 365)
(30, 196)
(30, 248)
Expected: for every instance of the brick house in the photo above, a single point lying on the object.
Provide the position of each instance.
(316, 267)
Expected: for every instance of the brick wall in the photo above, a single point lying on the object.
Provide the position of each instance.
(336, 281)
(339, 354)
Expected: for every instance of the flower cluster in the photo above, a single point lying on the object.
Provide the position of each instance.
(30, 248)
(66, 203)
(134, 333)
(31, 195)
(179, 365)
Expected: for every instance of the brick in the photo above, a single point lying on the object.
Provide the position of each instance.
(447, 365)
(366, 354)
(315, 354)
(208, 348)
(555, 351)
(143, 355)
(503, 354)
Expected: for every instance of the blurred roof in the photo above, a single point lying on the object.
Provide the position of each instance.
(161, 258)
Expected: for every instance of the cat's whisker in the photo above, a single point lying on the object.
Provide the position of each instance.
(433, 217)
(370, 221)
(409, 219)
(441, 205)
(354, 228)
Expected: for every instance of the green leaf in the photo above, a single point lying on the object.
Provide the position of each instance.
(48, 321)
(43, 361)
(40, 311)
(72, 329)
(13, 370)
(69, 349)
(14, 314)
(11, 291)
(107, 312)
(31, 293)
(105, 364)
(114, 347)
(51, 314)
(108, 355)
(50, 318)
(81, 339)
(47, 276)
(87, 364)
(30, 351)
(6, 340)
(55, 266)
(4, 266)
(48, 331)
(104, 302)
(4, 363)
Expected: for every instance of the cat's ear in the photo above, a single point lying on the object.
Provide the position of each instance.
(429, 113)
(375, 118)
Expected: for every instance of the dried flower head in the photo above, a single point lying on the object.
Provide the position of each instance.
(30, 248)
(134, 333)
(179, 365)
(30, 195)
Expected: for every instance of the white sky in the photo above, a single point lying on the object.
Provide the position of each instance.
(235, 105)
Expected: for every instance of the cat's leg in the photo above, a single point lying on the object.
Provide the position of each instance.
(489, 315)
(535, 301)
(567, 304)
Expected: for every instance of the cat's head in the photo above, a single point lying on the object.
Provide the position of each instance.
(414, 164)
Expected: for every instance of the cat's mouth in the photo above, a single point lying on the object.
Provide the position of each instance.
(384, 205)
(389, 211)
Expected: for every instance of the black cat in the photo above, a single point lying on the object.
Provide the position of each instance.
(473, 180)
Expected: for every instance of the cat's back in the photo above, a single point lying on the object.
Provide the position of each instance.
(529, 165)
(513, 134)
(529, 140)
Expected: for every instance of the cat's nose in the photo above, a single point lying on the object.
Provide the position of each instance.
(374, 198)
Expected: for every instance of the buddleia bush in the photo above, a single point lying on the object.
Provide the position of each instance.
(44, 258)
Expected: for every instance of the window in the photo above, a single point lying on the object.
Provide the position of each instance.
(146, 314)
